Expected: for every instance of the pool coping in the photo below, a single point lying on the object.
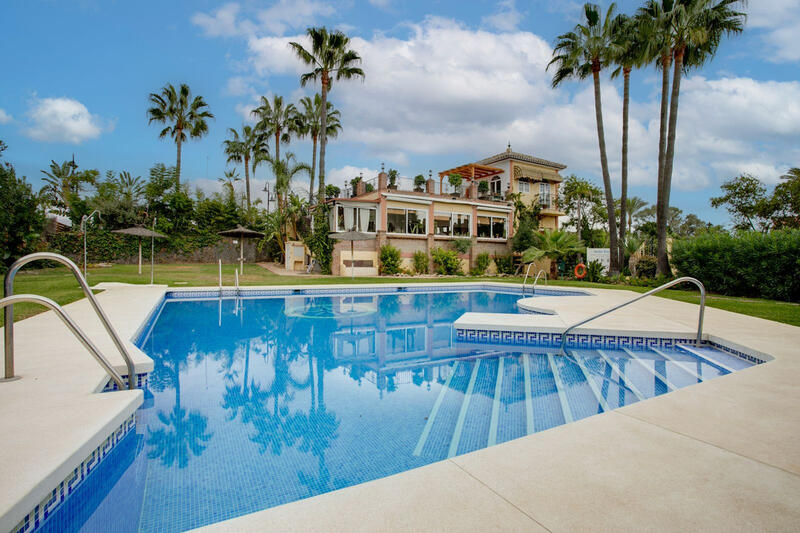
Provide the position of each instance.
(129, 321)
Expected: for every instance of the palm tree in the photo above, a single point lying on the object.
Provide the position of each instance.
(130, 187)
(634, 206)
(310, 124)
(276, 119)
(553, 244)
(586, 50)
(63, 184)
(229, 179)
(631, 54)
(243, 149)
(331, 60)
(284, 171)
(686, 34)
(182, 113)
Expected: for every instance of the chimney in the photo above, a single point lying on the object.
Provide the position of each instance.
(430, 186)
(382, 181)
(361, 187)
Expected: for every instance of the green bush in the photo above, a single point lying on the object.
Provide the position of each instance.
(420, 262)
(594, 271)
(446, 262)
(504, 264)
(751, 264)
(390, 260)
(104, 246)
(462, 246)
(482, 263)
(646, 266)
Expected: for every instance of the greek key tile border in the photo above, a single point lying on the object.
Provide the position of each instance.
(738, 353)
(36, 517)
(142, 379)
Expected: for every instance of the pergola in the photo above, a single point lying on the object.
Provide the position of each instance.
(472, 172)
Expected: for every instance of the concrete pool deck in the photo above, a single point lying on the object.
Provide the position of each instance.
(721, 455)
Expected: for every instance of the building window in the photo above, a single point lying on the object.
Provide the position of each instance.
(544, 195)
(361, 219)
(408, 221)
(492, 227)
(452, 224)
(524, 186)
(496, 187)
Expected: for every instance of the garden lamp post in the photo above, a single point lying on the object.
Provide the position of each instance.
(84, 220)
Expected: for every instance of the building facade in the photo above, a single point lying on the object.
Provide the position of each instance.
(428, 216)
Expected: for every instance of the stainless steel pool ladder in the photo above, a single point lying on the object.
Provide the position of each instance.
(536, 279)
(8, 310)
(667, 285)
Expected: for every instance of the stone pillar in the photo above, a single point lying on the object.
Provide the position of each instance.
(382, 181)
(472, 191)
(430, 186)
(361, 188)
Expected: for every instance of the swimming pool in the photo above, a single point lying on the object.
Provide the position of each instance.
(256, 402)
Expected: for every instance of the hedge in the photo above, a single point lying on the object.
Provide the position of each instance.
(753, 264)
(104, 246)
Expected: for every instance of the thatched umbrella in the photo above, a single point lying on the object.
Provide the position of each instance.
(139, 232)
(242, 233)
(351, 236)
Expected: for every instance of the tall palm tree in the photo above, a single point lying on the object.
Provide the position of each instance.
(553, 244)
(631, 54)
(182, 113)
(586, 50)
(635, 205)
(310, 124)
(276, 119)
(697, 28)
(330, 60)
(243, 148)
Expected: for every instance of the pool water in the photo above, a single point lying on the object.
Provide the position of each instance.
(258, 402)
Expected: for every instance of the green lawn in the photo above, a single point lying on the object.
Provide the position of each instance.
(58, 284)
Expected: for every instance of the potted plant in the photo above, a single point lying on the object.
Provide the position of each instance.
(483, 189)
(419, 183)
(392, 179)
(455, 180)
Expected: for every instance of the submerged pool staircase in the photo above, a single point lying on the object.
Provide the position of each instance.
(492, 399)
(9, 299)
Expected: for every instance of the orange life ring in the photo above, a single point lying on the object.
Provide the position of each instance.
(580, 271)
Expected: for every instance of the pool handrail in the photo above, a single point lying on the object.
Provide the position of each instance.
(8, 311)
(527, 272)
(685, 279)
(8, 301)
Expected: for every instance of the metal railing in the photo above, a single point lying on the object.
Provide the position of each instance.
(9, 301)
(660, 288)
(9, 312)
(536, 279)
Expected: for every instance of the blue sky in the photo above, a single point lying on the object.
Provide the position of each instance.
(447, 83)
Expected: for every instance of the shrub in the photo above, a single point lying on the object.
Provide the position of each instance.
(646, 266)
(504, 264)
(746, 264)
(481, 264)
(594, 271)
(483, 187)
(419, 183)
(446, 262)
(462, 246)
(420, 262)
(455, 181)
(21, 219)
(390, 260)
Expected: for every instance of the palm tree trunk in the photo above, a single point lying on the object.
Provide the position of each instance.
(277, 144)
(601, 139)
(661, 223)
(623, 198)
(178, 162)
(663, 260)
(580, 226)
(313, 169)
(247, 179)
(323, 125)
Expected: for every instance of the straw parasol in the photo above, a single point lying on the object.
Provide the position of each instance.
(139, 232)
(351, 236)
(242, 233)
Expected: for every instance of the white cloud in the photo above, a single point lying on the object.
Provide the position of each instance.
(382, 4)
(62, 120)
(448, 89)
(506, 18)
(5, 118)
(779, 20)
(342, 176)
(282, 16)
